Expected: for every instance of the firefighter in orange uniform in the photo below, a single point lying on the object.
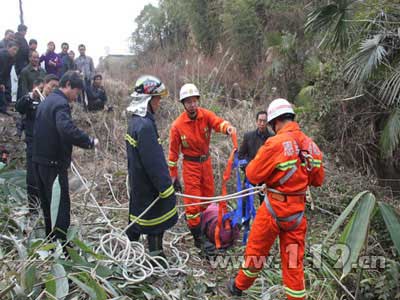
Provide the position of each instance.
(287, 163)
(190, 134)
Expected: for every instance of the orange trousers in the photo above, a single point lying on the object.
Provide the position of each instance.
(199, 181)
(262, 236)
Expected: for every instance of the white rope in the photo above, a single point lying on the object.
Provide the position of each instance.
(217, 199)
(131, 257)
(109, 178)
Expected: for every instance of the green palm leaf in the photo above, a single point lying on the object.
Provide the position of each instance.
(392, 222)
(332, 19)
(390, 88)
(362, 65)
(390, 137)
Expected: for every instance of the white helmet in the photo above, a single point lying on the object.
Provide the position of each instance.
(279, 107)
(188, 90)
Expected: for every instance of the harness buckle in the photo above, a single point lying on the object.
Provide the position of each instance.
(203, 158)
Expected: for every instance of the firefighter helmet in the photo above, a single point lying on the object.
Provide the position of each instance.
(150, 85)
(145, 88)
(188, 90)
(279, 107)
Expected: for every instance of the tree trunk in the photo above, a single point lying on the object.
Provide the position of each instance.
(21, 13)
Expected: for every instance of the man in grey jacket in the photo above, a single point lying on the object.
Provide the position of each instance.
(85, 64)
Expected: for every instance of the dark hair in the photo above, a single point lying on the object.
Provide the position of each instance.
(64, 44)
(12, 44)
(50, 77)
(71, 51)
(38, 81)
(32, 41)
(31, 52)
(97, 76)
(51, 42)
(285, 117)
(74, 80)
(261, 112)
(8, 31)
(81, 45)
(22, 27)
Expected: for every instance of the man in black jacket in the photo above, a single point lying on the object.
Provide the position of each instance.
(96, 95)
(253, 140)
(54, 135)
(27, 106)
(22, 58)
(8, 37)
(7, 58)
(148, 171)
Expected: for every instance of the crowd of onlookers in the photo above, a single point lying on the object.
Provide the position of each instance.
(31, 67)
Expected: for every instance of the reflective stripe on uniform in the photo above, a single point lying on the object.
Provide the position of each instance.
(191, 217)
(221, 126)
(249, 273)
(131, 140)
(156, 221)
(172, 163)
(283, 166)
(168, 192)
(294, 293)
(316, 163)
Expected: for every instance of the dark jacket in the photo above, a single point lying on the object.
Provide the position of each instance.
(149, 178)
(6, 62)
(22, 58)
(55, 133)
(51, 56)
(27, 107)
(27, 77)
(68, 64)
(4, 43)
(252, 141)
(96, 97)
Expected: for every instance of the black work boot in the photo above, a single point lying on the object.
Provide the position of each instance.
(197, 236)
(233, 290)
(156, 248)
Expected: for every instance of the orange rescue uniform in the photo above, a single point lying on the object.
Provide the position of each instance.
(192, 138)
(279, 166)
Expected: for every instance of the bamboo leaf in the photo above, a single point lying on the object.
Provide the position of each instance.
(62, 286)
(392, 222)
(50, 285)
(87, 249)
(29, 278)
(83, 286)
(358, 232)
(55, 202)
(344, 215)
(89, 286)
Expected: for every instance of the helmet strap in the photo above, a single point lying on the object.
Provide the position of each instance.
(150, 108)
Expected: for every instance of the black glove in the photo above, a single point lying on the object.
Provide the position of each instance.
(177, 185)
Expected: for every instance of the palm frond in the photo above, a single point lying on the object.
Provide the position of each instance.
(390, 137)
(370, 55)
(332, 19)
(390, 88)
